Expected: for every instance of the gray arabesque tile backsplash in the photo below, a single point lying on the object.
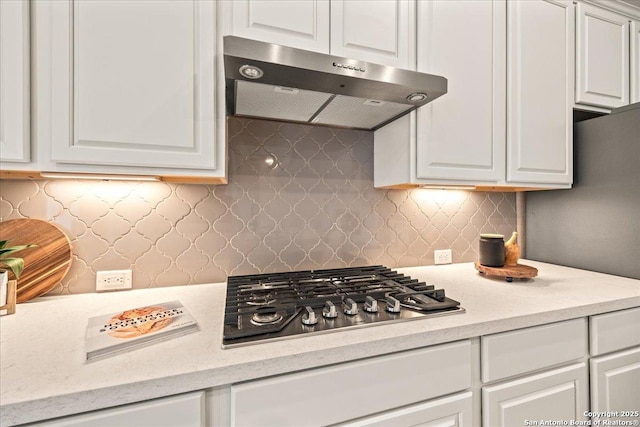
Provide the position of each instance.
(299, 197)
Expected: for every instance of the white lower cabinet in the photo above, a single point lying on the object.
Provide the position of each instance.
(353, 390)
(561, 394)
(452, 411)
(542, 374)
(185, 410)
(615, 384)
(615, 373)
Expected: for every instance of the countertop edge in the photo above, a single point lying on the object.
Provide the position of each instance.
(74, 403)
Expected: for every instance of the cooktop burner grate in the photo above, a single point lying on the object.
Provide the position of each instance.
(280, 305)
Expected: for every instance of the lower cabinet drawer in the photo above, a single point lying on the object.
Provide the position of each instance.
(525, 350)
(185, 410)
(560, 395)
(352, 390)
(448, 411)
(614, 331)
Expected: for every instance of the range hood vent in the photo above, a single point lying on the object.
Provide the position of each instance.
(275, 82)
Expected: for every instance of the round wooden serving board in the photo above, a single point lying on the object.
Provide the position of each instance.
(518, 271)
(44, 265)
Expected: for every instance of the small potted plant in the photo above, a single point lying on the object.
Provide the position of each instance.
(7, 261)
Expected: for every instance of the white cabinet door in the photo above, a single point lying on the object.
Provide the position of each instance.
(602, 67)
(128, 83)
(561, 394)
(540, 53)
(381, 31)
(187, 410)
(303, 24)
(453, 411)
(615, 383)
(635, 62)
(14, 82)
(461, 136)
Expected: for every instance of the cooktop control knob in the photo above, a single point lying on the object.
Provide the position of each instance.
(309, 316)
(329, 310)
(393, 305)
(371, 305)
(350, 307)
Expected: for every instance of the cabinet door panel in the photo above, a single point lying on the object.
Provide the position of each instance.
(602, 69)
(453, 411)
(132, 82)
(461, 135)
(14, 82)
(561, 394)
(303, 24)
(540, 91)
(382, 31)
(615, 382)
(635, 62)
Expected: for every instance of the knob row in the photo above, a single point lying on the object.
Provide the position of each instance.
(350, 308)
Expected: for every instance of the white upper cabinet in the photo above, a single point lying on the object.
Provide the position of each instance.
(506, 120)
(303, 24)
(128, 85)
(602, 68)
(635, 61)
(460, 136)
(381, 31)
(540, 51)
(14, 82)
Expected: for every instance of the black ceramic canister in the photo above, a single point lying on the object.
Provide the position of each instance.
(492, 250)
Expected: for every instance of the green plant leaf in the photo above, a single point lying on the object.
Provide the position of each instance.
(7, 251)
(15, 264)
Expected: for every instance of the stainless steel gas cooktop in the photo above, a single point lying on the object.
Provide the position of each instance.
(265, 307)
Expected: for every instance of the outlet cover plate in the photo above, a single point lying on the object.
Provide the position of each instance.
(442, 256)
(113, 280)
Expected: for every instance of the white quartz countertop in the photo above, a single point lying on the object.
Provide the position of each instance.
(42, 347)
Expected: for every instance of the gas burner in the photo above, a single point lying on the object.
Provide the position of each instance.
(266, 316)
(260, 299)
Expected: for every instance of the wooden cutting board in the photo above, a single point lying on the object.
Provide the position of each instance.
(45, 265)
(519, 271)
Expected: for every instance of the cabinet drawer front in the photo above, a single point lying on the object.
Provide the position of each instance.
(526, 350)
(614, 331)
(352, 390)
(186, 410)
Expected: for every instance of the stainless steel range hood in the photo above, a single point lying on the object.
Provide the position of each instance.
(275, 82)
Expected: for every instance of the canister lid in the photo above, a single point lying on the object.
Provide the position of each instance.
(492, 236)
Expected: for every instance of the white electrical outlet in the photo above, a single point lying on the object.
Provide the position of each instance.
(113, 280)
(442, 256)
